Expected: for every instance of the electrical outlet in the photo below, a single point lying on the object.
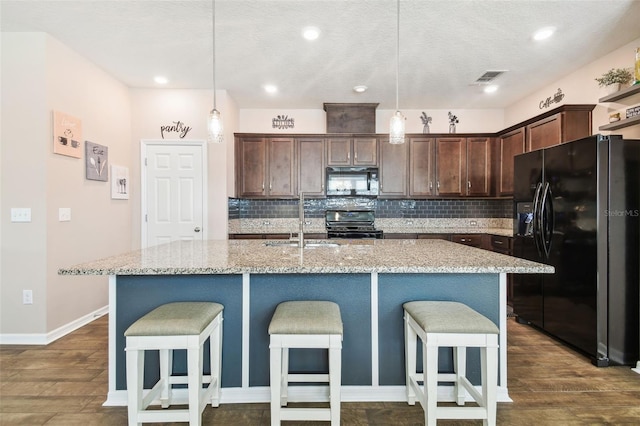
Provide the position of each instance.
(473, 223)
(27, 297)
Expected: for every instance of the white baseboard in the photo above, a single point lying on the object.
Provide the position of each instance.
(52, 336)
(261, 394)
(637, 369)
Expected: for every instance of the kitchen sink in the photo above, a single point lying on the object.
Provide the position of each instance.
(307, 244)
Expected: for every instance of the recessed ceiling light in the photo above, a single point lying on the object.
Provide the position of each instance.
(490, 89)
(543, 33)
(310, 33)
(360, 88)
(161, 80)
(270, 88)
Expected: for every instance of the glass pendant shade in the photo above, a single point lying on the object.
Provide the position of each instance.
(216, 129)
(396, 128)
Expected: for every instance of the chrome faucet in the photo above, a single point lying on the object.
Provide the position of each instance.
(301, 219)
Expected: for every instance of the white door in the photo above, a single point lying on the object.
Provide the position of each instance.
(173, 192)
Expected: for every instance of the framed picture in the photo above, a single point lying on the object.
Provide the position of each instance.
(67, 134)
(96, 161)
(119, 182)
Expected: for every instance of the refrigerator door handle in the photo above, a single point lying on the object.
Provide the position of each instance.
(546, 225)
(536, 218)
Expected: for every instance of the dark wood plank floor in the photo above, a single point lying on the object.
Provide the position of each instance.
(65, 383)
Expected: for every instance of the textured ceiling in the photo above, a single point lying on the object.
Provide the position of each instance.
(444, 45)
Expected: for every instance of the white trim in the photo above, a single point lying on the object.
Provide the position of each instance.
(112, 333)
(144, 143)
(502, 338)
(375, 362)
(246, 317)
(637, 369)
(52, 336)
(261, 394)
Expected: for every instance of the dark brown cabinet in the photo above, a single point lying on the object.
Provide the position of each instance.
(474, 240)
(393, 169)
(421, 167)
(312, 166)
(266, 167)
(356, 151)
(508, 146)
(463, 166)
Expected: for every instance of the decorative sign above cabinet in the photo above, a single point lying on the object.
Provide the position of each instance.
(556, 98)
(283, 122)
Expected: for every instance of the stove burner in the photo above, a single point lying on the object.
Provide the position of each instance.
(351, 224)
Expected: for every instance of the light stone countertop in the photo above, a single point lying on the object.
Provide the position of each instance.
(350, 256)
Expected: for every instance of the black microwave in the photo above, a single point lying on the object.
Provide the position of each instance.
(352, 181)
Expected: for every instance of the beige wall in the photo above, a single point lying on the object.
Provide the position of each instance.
(40, 74)
(154, 108)
(580, 88)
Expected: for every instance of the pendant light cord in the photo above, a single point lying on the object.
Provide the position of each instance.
(213, 21)
(397, 51)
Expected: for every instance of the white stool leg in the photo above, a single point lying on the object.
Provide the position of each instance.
(489, 374)
(335, 373)
(460, 368)
(275, 364)
(430, 369)
(194, 380)
(410, 354)
(284, 378)
(135, 374)
(166, 369)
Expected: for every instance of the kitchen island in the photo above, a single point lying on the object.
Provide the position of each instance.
(368, 279)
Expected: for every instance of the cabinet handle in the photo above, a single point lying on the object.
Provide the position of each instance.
(348, 156)
(430, 184)
(438, 185)
(269, 185)
(463, 240)
(263, 185)
(497, 242)
(355, 156)
(469, 184)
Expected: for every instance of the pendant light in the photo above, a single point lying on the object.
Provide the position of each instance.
(396, 124)
(214, 123)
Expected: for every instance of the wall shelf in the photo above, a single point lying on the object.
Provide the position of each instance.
(622, 123)
(629, 91)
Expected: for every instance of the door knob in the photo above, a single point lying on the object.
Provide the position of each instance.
(196, 229)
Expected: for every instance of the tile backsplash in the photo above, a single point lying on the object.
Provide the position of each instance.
(384, 208)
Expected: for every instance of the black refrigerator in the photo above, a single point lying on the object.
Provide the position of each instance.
(577, 207)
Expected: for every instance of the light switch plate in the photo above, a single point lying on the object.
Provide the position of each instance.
(20, 214)
(64, 214)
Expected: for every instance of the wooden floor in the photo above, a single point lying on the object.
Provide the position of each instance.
(65, 383)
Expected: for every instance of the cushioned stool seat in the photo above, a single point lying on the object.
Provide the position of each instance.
(450, 324)
(305, 324)
(180, 325)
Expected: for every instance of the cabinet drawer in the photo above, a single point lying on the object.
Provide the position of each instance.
(501, 244)
(474, 240)
(434, 237)
(400, 236)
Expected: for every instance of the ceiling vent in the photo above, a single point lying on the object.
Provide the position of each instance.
(489, 76)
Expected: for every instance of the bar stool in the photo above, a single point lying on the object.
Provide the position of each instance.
(305, 324)
(180, 325)
(450, 324)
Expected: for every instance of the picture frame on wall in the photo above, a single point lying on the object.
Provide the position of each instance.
(96, 159)
(119, 182)
(67, 134)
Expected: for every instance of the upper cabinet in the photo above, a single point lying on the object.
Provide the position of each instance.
(562, 124)
(421, 166)
(311, 173)
(393, 169)
(479, 167)
(352, 151)
(266, 167)
(463, 166)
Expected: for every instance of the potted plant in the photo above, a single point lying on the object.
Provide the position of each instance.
(614, 78)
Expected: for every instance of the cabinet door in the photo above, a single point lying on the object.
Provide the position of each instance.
(421, 167)
(509, 145)
(282, 166)
(393, 169)
(544, 133)
(251, 167)
(478, 166)
(474, 240)
(365, 151)
(451, 165)
(311, 166)
(339, 152)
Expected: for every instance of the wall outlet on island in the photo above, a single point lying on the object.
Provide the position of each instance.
(473, 223)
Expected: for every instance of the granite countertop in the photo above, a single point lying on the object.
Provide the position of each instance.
(349, 256)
